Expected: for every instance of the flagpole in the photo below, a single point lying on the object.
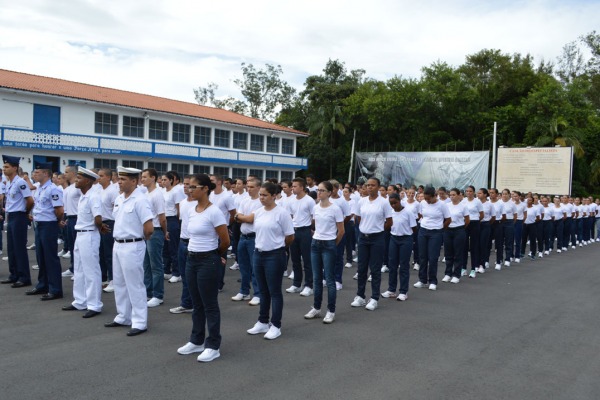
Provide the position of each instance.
(352, 157)
(494, 152)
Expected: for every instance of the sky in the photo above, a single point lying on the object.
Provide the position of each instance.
(168, 48)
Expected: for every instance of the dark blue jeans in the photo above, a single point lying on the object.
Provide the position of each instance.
(171, 247)
(547, 227)
(485, 245)
(49, 278)
(430, 244)
(454, 243)
(16, 245)
(370, 257)
(106, 248)
(153, 267)
(558, 232)
(245, 255)
(202, 273)
(300, 252)
(568, 232)
(350, 240)
(339, 261)
(530, 232)
(323, 258)
(186, 300)
(268, 269)
(505, 240)
(518, 236)
(72, 236)
(579, 229)
(586, 228)
(415, 248)
(473, 232)
(399, 262)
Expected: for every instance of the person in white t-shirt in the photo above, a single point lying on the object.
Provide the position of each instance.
(349, 227)
(329, 231)
(224, 202)
(173, 194)
(530, 228)
(569, 231)
(473, 231)
(347, 213)
(547, 222)
(209, 239)
(274, 231)
(455, 237)
(521, 207)
(506, 234)
(485, 242)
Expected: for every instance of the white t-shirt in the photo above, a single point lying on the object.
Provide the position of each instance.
(342, 204)
(238, 198)
(71, 196)
(497, 209)
(201, 228)
(247, 206)
(184, 213)
(433, 214)
(272, 227)
(173, 197)
(521, 209)
(402, 222)
(301, 210)
(458, 212)
(412, 207)
(488, 211)
(557, 212)
(475, 207)
(157, 204)
(224, 202)
(373, 214)
(88, 209)
(509, 209)
(548, 213)
(568, 208)
(532, 213)
(108, 197)
(326, 219)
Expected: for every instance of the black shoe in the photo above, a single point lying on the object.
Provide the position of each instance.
(7, 281)
(136, 331)
(19, 284)
(51, 296)
(35, 291)
(113, 324)
(90, 314)
(71, 307)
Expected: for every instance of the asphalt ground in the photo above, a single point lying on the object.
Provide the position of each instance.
(526, 332)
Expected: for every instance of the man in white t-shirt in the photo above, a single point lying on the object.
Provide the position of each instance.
(224, 202)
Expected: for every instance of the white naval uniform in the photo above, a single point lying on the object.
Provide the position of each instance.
(87, 281)
(128, 259)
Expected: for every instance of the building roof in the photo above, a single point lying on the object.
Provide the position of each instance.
(82, 91)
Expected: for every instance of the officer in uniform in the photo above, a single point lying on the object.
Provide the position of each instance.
(133, 225)
(47, 216)
(87, 285)
(18, 205)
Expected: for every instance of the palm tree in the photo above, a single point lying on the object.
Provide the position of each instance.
(328, 122)
(558, 132)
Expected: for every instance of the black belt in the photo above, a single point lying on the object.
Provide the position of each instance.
(455, 228)
(201, 254)
(249, 235)
(302, 227)
(172, 216)
(367, 235)
(186, 241)
(84, 230)
(16, 212)
(265, 252)
(128, 240)
(71, 216)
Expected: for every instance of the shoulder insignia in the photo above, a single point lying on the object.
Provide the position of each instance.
(22, 187)
(54, 197)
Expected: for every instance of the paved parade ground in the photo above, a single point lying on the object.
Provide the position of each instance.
(527, 332)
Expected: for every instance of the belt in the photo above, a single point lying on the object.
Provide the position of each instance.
(172, 216)
(367, 235)
(302, 227)
(71, 216)
(402, 236)
(128, 240)
(186, 241)
(265, 252)
(201, 254)
(84, 230)
(456, 228)
(249, 235)
(16, 212)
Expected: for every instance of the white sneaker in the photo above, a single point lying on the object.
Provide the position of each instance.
(291, 275)
(385, 269)
(208, 355)
(5, 258)
(564, 249)
(540, 255)
(558, 251)
(255, 301)
(35, 267)
(354, 253)
(402, 297)
(329, 318)
(358, 302)
(67, 255)
(180, 310)
(446, 278)
(387, 294)
(73, 278)
(32, 247)
(230, 248)
(370, 278)
(432, 286)
(355, 277)
(580, 245)
(416, 267)
(190, 348)
(285, 273)
(338, 286)
(240, 297)
(487, 264)
(348, 265)
(67, 273)
(547, 253)
(61, 253)
(235, 266)
(312, 314)
(507, 263)
(324, 283)
(355, 259)
(472, 274)
(573, 247)
(498, 267)
(517, 260)
(231, 255)
(420, 285)
(109, 288)
(463, 272)
(59, 241)
(306, 291)
(167, 276)
(175, 279)
(258, 327)
(444, 259)
(481, 270)
(155, 302)
(371, 305)
(273, 333)
(455, 280)
(293, 289)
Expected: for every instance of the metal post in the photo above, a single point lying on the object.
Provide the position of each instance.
(352, 157)
(494, 152)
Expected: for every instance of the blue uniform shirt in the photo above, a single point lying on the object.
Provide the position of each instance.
(16, 193)
(46, 197)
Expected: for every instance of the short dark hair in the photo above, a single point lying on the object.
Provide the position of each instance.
(300, 181)
(152, 172)
(270, 187)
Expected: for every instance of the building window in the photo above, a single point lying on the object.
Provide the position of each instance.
(271, 175)
(159, 130)
(133, 164)
(106, 124)
(160, 167)
(201, 169)
(221, 138)
(181, 133)
(240, 140)
(287, 175)
(133, 127)
(257, 142)
(287, 146)
(272, 144)
(223, 171)
(46, 118)
(182, 169)
(202, 135)
(77, 163)
(257, 172)
(238, 173)
(104, 163)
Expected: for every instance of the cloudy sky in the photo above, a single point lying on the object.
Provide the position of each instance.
(166, 48)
